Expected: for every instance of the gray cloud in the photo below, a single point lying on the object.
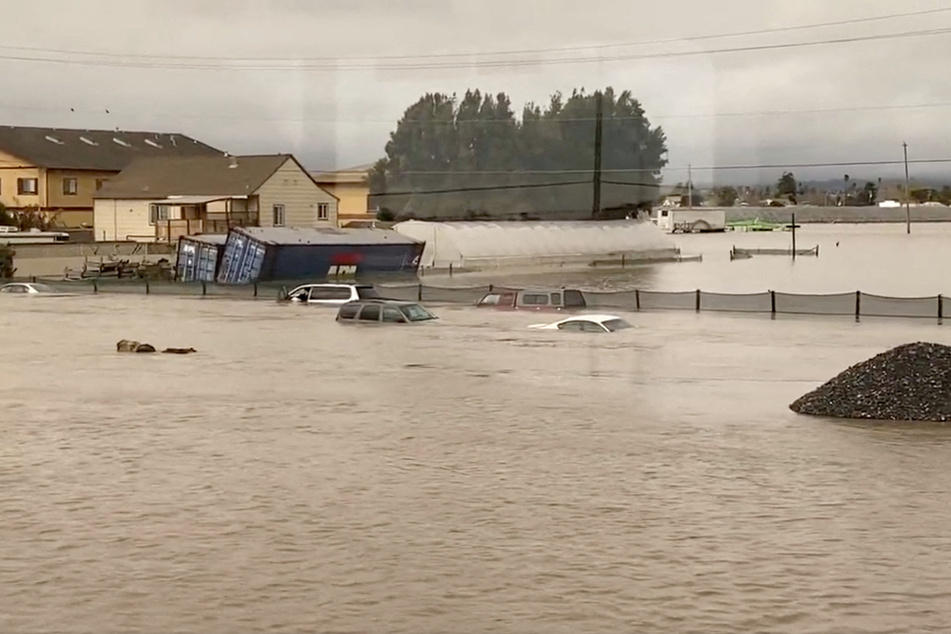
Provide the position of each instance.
(337, 115)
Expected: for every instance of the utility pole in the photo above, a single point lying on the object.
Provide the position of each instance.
(598, 125)
(689, 186)
(907, 193)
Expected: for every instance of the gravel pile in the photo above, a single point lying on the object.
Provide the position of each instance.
(908, 383)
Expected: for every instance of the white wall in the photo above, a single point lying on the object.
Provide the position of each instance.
(291, 187)
(122, 220)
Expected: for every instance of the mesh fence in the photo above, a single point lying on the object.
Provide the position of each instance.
(795, 304)
(880, 306)
(750, 303)
(855, 304)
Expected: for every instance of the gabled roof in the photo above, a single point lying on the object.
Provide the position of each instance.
(104, 150)
(194, 176)
(358, 174)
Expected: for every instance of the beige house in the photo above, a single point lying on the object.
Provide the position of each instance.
(351, 186)
(59, 171)
(160, 200)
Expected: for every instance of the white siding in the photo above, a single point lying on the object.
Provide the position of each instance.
(122, 220)
(291, 187)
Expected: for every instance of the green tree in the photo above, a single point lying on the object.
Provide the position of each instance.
(726, 196)
(471, 157)
(7, 254)
(869, 194)
(944, 196)
(787, 186)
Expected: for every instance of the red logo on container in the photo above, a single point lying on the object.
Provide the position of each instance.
(345, 259)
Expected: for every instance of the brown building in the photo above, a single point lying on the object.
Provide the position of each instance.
(59, 171)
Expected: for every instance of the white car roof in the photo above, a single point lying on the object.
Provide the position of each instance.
(596, 318)
(319, 285)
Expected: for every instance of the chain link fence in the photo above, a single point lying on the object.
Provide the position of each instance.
(856, 304)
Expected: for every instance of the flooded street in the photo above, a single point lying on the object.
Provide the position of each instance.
(470, 475)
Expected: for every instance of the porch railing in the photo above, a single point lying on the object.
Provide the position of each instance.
(172, 230)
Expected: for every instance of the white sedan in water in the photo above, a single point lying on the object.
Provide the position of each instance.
(28, 288)
(586, 323)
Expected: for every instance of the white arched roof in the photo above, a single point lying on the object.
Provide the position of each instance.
(475, 243)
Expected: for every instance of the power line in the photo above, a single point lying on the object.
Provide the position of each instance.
(393, 121)
(708, 168)
(536, 51)
(338, 67)
(456, 190)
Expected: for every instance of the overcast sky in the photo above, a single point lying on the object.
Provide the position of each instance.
(330, 93)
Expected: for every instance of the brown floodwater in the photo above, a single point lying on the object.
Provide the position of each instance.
(466, 475)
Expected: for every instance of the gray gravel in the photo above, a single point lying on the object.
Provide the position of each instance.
(908, 383)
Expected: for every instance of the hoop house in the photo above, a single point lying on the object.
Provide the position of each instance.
(498, 244)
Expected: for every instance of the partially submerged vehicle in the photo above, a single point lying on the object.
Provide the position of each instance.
(383, 311)
(557, 299)
(331, 294)
(29, 288)
(587, 323)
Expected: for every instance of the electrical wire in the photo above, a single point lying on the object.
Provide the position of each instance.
(535, 51)
(607, 119)
(338, 66)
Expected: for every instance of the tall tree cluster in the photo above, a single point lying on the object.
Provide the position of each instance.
(472, 157)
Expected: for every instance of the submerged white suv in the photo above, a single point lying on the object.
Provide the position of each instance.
(331, 294)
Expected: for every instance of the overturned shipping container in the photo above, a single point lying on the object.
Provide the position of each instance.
(254, 254)
(198, 257)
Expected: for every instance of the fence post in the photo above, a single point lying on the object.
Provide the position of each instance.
(940, 308)
(255, 289)
(858, 304)
(95, 287)
(491, 287)
(34, 279)
(698, 300)
(450, 269)
(622, 260)
(419, 293)
(147, 288)
(772, 302)
(204, 288)
(637, 299)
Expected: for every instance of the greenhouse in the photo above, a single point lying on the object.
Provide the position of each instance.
(498, 244)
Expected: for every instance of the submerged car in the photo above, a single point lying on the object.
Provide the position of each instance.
(331, 294)
(587, 323)
(28, 288)
(383, 311)
(556, 299)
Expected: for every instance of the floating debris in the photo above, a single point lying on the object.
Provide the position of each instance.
(126, 345)
(908, 383)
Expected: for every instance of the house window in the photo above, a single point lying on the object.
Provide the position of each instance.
(70, 187)
(278, 211)
(158, 213)
(100, 182)
(27, 186)
(323, 211)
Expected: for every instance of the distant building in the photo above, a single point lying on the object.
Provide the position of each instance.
(164, 199)
(59, 171)
(352, 188)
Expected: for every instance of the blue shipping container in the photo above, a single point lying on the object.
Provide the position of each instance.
(198, 257)
(264, 254)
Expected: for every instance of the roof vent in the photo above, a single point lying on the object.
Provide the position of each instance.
(54, 140)
(153, 143)
(121, 142)
(87, 141)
